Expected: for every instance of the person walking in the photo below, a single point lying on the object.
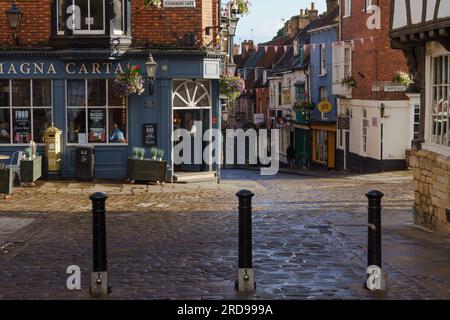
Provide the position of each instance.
(290, 154)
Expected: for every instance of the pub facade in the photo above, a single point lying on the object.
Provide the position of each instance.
(64, 76)
(421, 29)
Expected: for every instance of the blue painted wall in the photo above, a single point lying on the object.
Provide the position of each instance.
(111, 160)
(317, 81)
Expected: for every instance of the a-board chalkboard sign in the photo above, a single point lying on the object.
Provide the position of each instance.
(150, 136)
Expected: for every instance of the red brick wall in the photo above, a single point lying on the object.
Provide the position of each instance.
(165, 26)
(35, 26)
(375, 61)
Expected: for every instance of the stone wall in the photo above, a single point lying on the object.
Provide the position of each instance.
(431, 173)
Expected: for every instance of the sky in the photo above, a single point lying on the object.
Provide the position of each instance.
(265, 18)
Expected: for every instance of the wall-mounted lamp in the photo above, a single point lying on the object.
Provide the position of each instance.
(151, 67)
(14, 15)
(382, 110)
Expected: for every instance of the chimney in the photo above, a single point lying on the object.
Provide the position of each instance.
(301, 12)
(313, 13)
(331, 5)
(236, 49)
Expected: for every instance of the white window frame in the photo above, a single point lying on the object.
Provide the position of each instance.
(81, 32)
(86, 107)
(368, 4)
(323, 60)
(121, 32)
(433, 50)
(347, 8)
(31, 107)
(364, 135)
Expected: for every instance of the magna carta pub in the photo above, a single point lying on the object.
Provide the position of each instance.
(59, 60)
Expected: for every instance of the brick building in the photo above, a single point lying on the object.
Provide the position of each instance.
(373, 134)
(61, 65)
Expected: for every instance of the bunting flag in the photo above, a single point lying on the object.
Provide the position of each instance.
(314, 46)
(266, 48)
(372, 39)
(275, 48)
(285, 48)
(362, 41)
(353, 43)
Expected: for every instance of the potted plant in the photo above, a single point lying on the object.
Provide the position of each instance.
(402, 78)
(231, 87)
(154, 153)
(302, 106)
(349, 82)
(28, 153)
(138, 153)
(160, 154)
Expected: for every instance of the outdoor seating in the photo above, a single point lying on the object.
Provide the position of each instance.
(14, 164)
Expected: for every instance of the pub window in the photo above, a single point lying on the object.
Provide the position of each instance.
(25, 110)
(440, 92)
(416, 124)
(94, 113)
(84, 16)
(118, 19)
(323, 60)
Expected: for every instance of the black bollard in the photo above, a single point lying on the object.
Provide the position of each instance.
(99, 279)
(245, 277)
(375, 276)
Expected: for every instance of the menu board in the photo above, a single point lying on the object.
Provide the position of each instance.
(22, 126)
(97, 126)
(150, 135)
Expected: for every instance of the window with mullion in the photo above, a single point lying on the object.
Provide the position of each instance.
(83, 16)
(94, 114)
(27, 112)
(440, 127)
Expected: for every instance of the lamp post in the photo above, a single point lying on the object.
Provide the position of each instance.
(151, 67)
(14, 15)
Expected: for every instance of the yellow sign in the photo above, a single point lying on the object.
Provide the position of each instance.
(325, 106)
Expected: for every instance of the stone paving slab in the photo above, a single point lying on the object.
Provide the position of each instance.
(180, 241)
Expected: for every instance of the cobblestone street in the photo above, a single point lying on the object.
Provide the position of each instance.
(180, 241)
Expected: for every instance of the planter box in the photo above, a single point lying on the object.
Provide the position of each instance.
(147, 170)
(31, 170)
(6, 181)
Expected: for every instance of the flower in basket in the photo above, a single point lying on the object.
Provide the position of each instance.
(403, 78)
(349, 82)
(129, 81)
(302, 106)
(231, 87)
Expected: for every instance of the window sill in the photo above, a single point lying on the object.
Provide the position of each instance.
(437, 148)
(323, 75)
(98, 144)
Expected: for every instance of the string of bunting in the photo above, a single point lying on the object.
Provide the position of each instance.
(313, 46)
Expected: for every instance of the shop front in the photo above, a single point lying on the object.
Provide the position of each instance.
(323, 145)
(73, 90)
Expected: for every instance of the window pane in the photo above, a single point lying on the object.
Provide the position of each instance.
(76, 120)
(117, 19)
(96, 18)
(22, 125)
(84, 11)
(42, 93)
(76, 93)
(97, 125)
(61, 15)
(5, 130)
(4, 93)
(96, 92)
(42, 120)
(117, 134)
(21, 93)
(112, 99)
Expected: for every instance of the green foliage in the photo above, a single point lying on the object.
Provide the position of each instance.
(231, 87)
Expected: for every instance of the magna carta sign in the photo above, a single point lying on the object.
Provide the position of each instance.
(325, 106)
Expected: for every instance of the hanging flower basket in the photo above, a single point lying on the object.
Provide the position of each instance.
(349, 82)
(129, 81)
(402, 78)
(302, 106)
(150, 3)
(243, 6)
(231, 87)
